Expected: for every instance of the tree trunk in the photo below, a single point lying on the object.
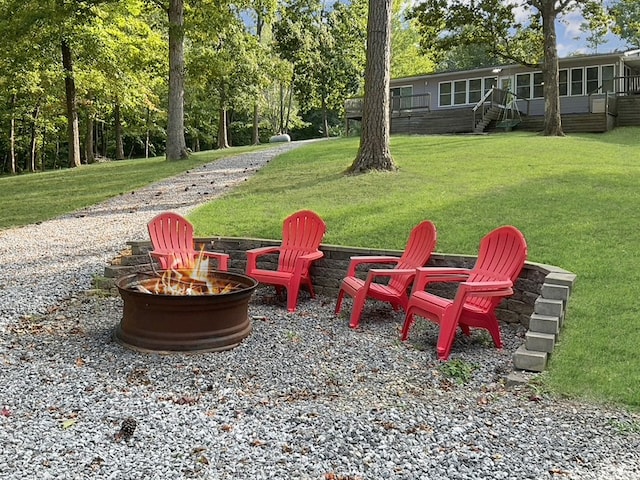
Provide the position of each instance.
(146, 140)
(88, 139)
(118, 125)
(12, 133)
(552, 118)
(72, 106)
(222, 128)
(325, 118)
(33, 145)
(255, 133)
(176, 144)
(374, 153)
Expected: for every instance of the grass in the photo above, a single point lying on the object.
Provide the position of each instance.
(574, 198)
(36, 197)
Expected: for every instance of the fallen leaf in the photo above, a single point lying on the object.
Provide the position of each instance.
(5, 412)
(79, 362)
(66, 424)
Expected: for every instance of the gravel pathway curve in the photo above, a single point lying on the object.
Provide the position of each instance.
(303, 397)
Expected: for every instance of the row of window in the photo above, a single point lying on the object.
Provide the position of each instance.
(572, 82)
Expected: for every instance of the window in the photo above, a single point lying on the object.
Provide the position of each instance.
(401, 98)
(576, 81)
(475, 90)
(563, 82)
(459, 92)
(489, 83)
(592, 80)
(538, 85)
(523, 85)
(607, 78)
(445, 94)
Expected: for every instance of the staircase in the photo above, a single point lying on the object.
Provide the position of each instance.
(491, 115)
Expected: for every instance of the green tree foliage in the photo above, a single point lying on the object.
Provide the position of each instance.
(626, 15)
(407, 59)
(326, 49)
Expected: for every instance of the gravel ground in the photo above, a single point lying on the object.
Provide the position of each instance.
(303, 397)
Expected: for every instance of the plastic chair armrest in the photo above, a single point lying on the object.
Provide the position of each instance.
(356, 261)
(425, 275)
(222, 258)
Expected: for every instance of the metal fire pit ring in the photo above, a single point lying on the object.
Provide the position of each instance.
(181, 323)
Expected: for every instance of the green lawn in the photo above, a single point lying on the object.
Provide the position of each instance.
(33, 198)
(574, 198)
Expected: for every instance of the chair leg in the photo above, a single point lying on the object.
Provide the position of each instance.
(292, 297)
(339, 301)
(408, 322)
(356, 309)
(310, 287)
(494, 329)
(448, 327)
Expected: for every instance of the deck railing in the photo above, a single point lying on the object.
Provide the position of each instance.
(421, 101)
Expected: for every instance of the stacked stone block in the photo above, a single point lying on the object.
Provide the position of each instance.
(545, 322)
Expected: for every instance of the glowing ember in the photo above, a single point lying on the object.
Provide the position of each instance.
(195, 280)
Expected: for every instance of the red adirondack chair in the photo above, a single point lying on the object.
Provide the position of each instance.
(172, 240)
(421, 243)
(500, 259)
(302, 233)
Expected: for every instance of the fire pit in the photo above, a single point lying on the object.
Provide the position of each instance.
(169, 311)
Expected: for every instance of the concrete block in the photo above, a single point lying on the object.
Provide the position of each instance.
(524, 359)
(540, 342)
(515, 380)
(549, 307)
(117, 271)
(561, 278)
(103, 283)
(544, 324)
(556, 292)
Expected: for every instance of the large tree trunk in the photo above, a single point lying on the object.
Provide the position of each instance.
(72, 106)
(118, 125)
(255, 132)
(552, 118)
(176, 144)
(374, 153)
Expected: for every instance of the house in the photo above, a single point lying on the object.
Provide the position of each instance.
(597, 93)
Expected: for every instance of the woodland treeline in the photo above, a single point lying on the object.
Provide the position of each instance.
(252, 69)
(90, 79)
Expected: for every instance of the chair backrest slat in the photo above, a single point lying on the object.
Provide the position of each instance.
(302, 233)
(502, 254)
(420, 245)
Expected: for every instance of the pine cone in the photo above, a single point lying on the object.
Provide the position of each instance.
(127, 429)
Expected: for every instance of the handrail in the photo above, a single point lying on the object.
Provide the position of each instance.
(483, 99)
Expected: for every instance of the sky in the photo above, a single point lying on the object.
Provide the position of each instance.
(568, 28)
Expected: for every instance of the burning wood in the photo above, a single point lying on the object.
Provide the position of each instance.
(196, 280)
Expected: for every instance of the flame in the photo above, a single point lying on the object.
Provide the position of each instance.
(190, 280)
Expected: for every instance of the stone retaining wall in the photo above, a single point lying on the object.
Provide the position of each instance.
(539, 303)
